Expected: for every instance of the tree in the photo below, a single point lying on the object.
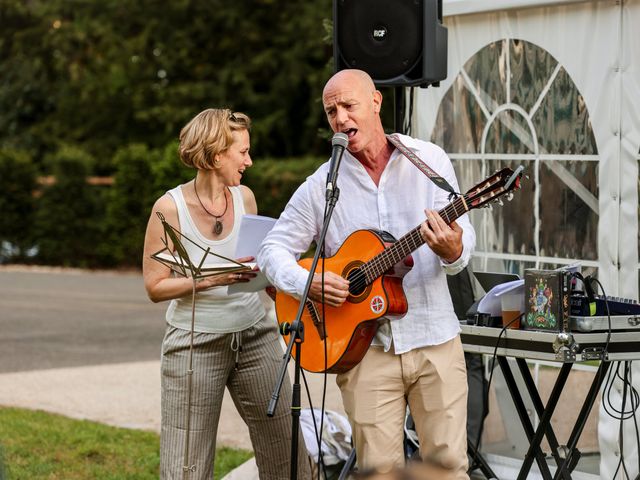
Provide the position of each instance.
(105, 74)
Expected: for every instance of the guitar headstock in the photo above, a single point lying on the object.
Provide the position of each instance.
(491, 189)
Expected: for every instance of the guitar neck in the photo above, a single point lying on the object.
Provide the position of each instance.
(410, 242)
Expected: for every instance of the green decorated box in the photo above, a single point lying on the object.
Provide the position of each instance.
(546, 300)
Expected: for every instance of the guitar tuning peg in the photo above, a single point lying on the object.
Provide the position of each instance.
(509, 196)
(500, 202)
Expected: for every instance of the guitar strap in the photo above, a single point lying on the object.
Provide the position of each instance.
(423, 167)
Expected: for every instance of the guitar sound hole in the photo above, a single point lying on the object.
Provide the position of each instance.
(357, 282)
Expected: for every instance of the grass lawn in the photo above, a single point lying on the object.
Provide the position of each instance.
(38, 445)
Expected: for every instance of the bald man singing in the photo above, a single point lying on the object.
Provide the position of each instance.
(416, 360)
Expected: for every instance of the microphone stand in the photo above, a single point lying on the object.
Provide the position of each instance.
(295, 331)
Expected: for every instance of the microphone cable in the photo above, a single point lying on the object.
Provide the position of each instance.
(318, 432)
(623, 373)
(321, 466)
(622, 414)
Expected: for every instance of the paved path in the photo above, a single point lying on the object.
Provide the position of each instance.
(87, 345)
(52, 319)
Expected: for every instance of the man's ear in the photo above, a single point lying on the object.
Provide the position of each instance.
(377, 101)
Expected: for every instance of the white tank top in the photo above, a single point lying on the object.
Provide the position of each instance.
(216, 311)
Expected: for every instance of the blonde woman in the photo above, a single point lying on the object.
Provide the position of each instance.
(234, 345)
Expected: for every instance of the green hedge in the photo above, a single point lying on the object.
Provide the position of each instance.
(17, 203)
(73, 223)
(128, 203)
(69, 215)
(273, 181)
(168, 171)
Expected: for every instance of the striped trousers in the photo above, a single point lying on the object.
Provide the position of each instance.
(250, 384)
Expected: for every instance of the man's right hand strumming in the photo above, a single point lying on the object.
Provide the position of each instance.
(336, 289)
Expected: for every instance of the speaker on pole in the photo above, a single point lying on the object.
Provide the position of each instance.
(398, 43)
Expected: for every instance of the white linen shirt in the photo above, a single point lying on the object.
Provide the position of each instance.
(397, 206)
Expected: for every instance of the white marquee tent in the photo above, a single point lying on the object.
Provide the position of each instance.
(553, 86)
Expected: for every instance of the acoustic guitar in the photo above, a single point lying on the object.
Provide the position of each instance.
(374, 262)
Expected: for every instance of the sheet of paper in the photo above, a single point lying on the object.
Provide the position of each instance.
(253, 229)
(491, 303)
(256, 284)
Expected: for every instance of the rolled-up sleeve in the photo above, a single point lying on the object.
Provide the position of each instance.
(290, 237)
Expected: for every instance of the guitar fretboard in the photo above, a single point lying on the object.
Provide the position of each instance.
(410, 242)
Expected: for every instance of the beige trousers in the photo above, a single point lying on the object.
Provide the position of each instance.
(432, 381)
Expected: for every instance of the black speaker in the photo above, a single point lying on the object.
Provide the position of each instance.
(397, 42)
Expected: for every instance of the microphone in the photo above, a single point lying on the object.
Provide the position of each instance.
(339, 142)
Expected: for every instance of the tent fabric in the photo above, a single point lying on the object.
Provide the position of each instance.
(597, 46)
(595, 43)
(462, 7)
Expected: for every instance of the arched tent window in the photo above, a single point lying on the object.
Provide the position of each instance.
(513, 104)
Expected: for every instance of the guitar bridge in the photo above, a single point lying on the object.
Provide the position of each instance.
(315, 318)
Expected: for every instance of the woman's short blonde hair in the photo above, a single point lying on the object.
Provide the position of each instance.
(208, 134)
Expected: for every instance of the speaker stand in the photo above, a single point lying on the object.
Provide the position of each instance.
(399, 100)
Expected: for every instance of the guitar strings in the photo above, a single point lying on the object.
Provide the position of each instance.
(379, 264)
(410, 242)
(396, 252)
(399, 250)
(403, 247)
